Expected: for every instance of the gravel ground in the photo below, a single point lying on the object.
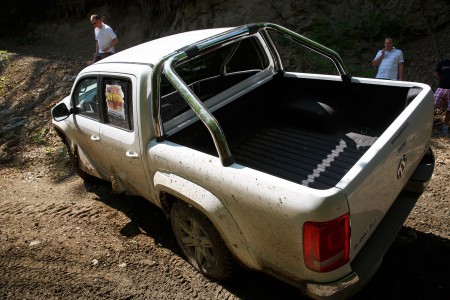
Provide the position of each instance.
(63, 238)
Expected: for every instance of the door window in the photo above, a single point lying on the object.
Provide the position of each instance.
(117, 99)
(85, 99)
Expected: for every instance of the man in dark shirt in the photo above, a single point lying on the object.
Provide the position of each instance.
(442, 94)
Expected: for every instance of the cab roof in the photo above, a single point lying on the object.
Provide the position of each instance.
(151, 52)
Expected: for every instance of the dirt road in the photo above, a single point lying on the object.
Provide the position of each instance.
(63, 239)
(67, 239)
(70, 240)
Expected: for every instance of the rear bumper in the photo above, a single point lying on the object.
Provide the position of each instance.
(371, 255)
(341, 289)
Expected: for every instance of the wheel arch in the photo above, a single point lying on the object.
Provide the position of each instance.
(77, 162)
(170, 188)
(60, 134)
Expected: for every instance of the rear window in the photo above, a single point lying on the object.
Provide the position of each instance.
(213, 73)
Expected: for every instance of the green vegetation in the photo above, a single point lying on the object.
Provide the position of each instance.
(366, 29)
(40, 137)
(355, 39)
(358, 38)
(4, 62)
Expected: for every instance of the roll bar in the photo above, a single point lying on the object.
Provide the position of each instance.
(168, 63)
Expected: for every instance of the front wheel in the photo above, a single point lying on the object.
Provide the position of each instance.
(200, 243)
(76, 166)
(73, 155)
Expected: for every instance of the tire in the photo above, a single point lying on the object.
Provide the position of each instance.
(200, 242)
(76, 166)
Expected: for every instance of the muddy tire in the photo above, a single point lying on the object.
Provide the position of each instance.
(200, 242)
(76, 166)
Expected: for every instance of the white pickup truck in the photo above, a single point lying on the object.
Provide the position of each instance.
(303, 176)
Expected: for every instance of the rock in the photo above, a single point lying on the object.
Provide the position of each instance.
(6, 112)
(48, 100)
(35, 243)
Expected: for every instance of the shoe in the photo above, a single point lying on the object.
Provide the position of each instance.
(445, 129)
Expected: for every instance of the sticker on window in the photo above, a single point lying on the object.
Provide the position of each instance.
(115, 101)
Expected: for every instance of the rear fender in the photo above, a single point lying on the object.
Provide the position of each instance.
(210, 206)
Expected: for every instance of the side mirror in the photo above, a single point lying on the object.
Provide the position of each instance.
(60, 112)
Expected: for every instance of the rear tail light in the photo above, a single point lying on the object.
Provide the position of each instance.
(326, 244)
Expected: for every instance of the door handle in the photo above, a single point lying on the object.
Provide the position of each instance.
(95, 138)
(132, 154)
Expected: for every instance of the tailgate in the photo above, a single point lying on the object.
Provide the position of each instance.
(378, 178)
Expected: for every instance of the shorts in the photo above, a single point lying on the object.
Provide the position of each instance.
(442, 98)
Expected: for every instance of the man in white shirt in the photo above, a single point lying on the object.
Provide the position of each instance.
(105, 39)
(389, 61)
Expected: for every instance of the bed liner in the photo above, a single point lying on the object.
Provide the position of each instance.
(316, 160)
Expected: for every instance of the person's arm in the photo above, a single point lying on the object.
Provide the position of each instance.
(400, 71)
(377, 61)
(96, 46)
(113, 43)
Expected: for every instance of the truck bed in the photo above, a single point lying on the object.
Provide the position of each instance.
(317, 160)
(307, 131)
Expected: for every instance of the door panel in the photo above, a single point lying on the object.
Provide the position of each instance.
(120, 136)
(86, 131)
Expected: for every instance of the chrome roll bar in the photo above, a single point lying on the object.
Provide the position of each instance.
(168, 63)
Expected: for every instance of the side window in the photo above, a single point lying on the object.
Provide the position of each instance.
(118, 102)
(85, 99)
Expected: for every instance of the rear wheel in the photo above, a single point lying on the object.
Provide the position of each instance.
(200, 242)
